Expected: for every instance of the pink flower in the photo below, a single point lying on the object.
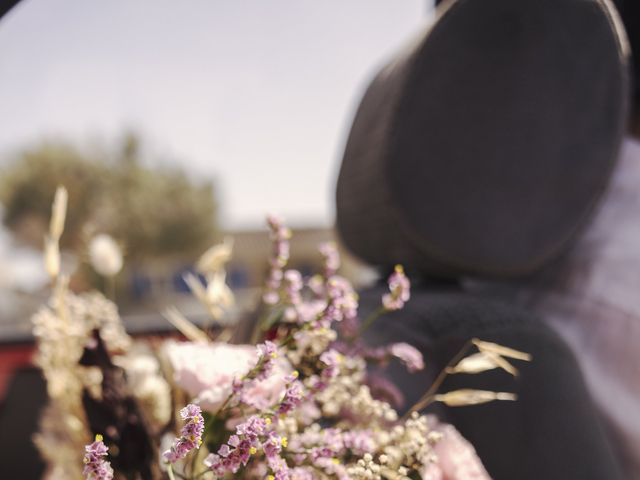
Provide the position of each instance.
(267, 355)
(250, 436)
(95, 466)
(190, 435)
(456, 457)
(331, 358)
(280, 236)
(384, 389)
(207, 373)
(309, 311)
(331, 258)
(399, 290)
(342, 301)
(293, 395)
(409, 355)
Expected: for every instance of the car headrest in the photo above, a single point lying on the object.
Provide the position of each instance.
(482, 148)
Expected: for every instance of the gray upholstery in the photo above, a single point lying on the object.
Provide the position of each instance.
(482, 147)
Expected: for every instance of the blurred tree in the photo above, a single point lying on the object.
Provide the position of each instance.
(154, 213)
(27, 186)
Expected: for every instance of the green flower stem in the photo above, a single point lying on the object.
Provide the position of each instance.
(170, 472)
(371, 319)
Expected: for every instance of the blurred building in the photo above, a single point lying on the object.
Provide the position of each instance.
(249, 265)
(162, 284)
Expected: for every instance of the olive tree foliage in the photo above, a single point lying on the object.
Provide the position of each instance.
(152, 212)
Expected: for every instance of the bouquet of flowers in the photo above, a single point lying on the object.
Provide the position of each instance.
(296, 405)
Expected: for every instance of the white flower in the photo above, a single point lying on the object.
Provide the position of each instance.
(105, 255)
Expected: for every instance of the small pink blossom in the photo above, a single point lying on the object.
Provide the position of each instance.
(190, 435)
(399, 290)
(409, 355)
(331, 359)
(95, 466)
(293, 396)
(267, 355)
(250, 436)
(342, 302)
(384, 389)
(331, 258)
(280, 236)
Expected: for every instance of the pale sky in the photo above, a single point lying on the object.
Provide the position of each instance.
(258, 94)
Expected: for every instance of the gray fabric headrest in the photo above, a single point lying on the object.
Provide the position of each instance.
(482, 148)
